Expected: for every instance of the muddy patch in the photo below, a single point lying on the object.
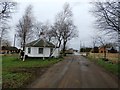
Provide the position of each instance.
(36, 70)
(33, 72)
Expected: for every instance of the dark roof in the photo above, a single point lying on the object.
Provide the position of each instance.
(40, 43)
(9, 48)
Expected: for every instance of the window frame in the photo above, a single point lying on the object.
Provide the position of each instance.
(39, 51)
(29, 50)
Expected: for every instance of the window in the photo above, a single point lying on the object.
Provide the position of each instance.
(29, 50)
(40, 50)
(51, 50)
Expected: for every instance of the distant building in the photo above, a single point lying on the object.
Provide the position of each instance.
(85, 49)
(69, 51)
(112, 50)
(102, 50)
(107, 49)
(8, 50)
(95, 50)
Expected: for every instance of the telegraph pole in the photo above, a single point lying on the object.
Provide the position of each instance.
(14, 39)
(80, 46)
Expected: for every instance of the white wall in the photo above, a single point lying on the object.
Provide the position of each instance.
(34, 52)
(46, 52)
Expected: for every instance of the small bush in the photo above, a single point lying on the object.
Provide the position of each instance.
(104, 59)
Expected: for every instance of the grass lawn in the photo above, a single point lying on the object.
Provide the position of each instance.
(0, 72)
(16, 73)
(108, 65)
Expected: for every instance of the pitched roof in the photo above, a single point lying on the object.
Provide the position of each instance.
(9, 48)
(40, 43)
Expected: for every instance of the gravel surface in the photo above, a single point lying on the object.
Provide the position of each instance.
(75, 72)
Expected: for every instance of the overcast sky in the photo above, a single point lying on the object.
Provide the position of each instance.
(44, 10)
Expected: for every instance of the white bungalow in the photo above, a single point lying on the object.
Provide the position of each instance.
(41, 48)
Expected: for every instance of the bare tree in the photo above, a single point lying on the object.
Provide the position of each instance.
(103, 43)
(25, 27)
(6, 8)
(43, 28)
(60, 21)
(38, 29)
(4, 34)
(6, 43)
(68, 33)
(50, 36)
(68, 28)
(4, 30)
(108, 17)
(63, 28)
(56, 32)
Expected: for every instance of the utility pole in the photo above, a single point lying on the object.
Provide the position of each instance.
(14, 39)
(80, 46)
(84, 48)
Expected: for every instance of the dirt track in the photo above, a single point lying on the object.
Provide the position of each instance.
(75, 72)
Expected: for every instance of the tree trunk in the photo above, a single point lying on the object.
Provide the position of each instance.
(104, 52)
(64, 48)
(59, 44)
(24, 43)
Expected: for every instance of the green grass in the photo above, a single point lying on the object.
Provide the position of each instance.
(15, 80)
(113, 68)
(10, 62)
(109, 66)
(16, 73)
